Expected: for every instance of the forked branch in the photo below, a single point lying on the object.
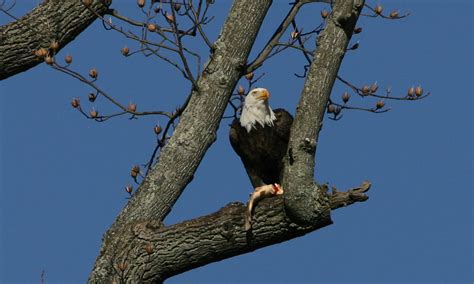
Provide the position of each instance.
(162, 252)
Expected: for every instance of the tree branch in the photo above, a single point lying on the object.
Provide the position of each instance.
(263, 55)
(357, 194)
(304, 199)
(274, 40)
(162, 252)
(53, 20)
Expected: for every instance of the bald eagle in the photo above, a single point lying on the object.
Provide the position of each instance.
(260, 137)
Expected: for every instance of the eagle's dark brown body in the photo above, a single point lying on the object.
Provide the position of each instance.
(262, 149)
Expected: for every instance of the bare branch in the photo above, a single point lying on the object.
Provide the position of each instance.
(124, 109)
(142, 40)
(262, 56)
(6, 9)
(196, 20)
(353, 195)
(115, 13)
(370, 91)
(174, 25)
(377, 12)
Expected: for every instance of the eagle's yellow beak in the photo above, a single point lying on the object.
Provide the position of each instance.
(264, 95)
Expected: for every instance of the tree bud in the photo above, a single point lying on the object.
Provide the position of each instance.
(93, 73)
(365, 90)
(331, 108)
(378, 9)
(129, 189)
(125, 50)
(92, 97)
(324, 14)
(141, 3)
(354, 46)
(93, 113)
(151, 27)
(75, 103)
(411, 92)
(418, 91)
(394, 14)
(374, 87)
(358, 30)
(68, 59)
(157, 129)
(295, 34)
(176, 6)
(132, 107)
(87, 2)
(240, 91)
(379, 104)
(49, 60)
(169, 18)
(345, 97)
(135, 171)
(54, 46)
(249, 76)
(42, 52)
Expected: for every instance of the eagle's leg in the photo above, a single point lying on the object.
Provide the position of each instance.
(254, 177)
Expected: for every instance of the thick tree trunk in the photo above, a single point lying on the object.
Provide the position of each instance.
(52, 20)
(304, 199)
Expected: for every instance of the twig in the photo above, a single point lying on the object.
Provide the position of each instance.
(263, 55)
(392, 16)
(174, 25)
(357, 194)
(371, 93)
(125, 110)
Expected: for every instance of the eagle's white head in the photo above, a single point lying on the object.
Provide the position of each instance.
(256, 110)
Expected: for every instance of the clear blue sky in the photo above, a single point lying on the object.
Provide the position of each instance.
(62, 176)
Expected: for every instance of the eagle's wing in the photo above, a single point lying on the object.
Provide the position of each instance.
(263, 148)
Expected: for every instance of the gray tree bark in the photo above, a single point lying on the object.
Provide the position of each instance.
(306, 202)
(53, 20)
(137, 247)
(153, 253)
